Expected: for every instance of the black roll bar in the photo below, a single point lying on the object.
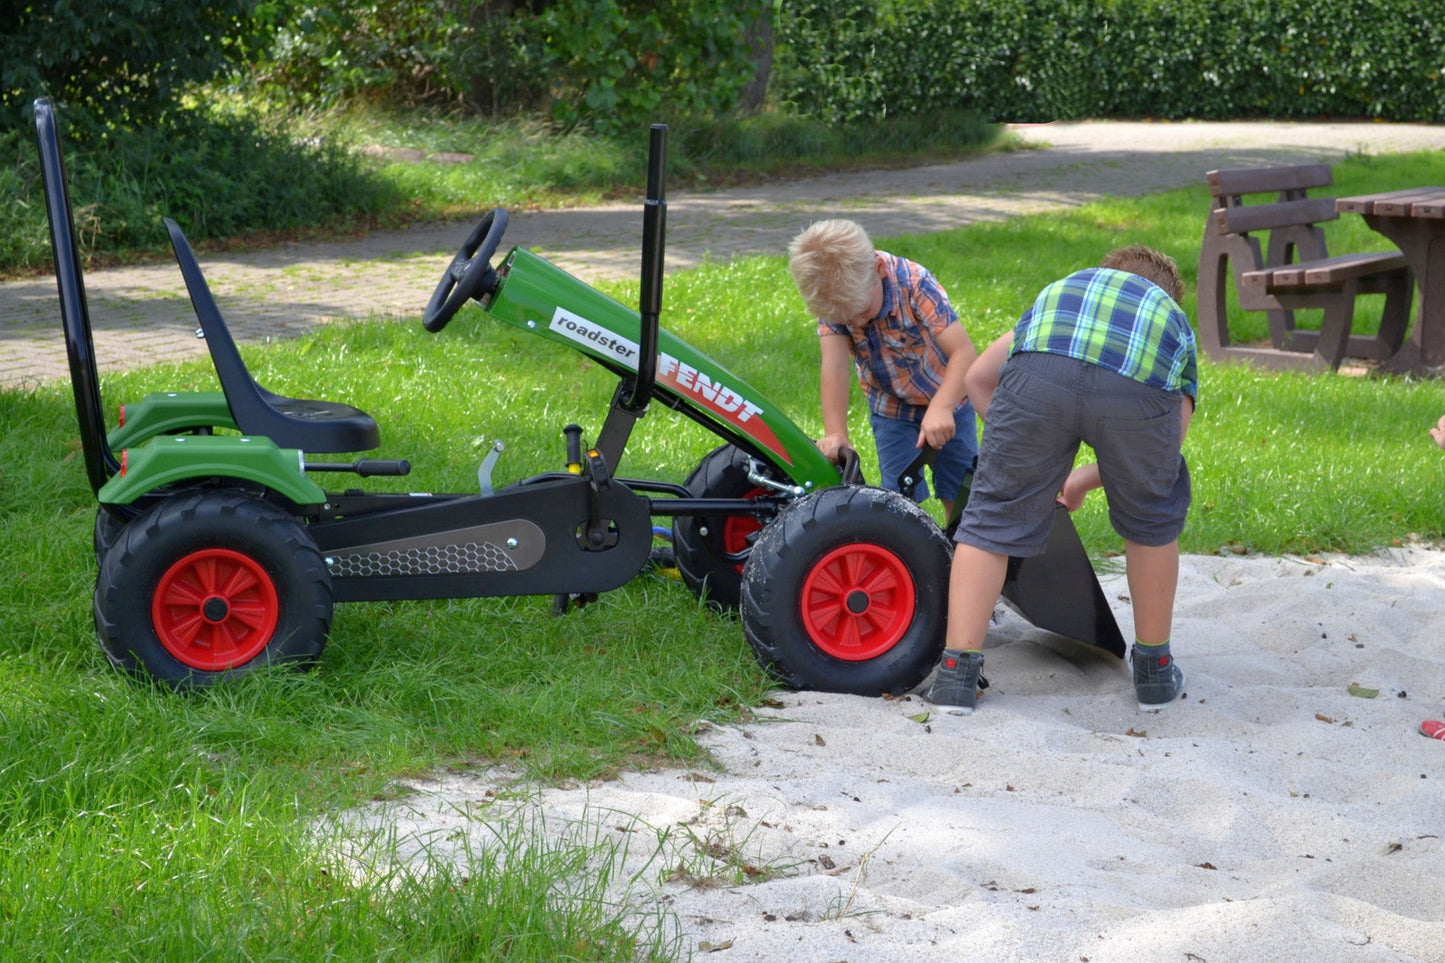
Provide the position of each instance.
(654, 230)
(100, 461)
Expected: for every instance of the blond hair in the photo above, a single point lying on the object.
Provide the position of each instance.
(1149, 264)
(834, 265)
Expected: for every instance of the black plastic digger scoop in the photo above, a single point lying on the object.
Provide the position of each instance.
(1056, 591)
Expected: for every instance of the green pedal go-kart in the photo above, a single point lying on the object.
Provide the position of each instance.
(218, 550)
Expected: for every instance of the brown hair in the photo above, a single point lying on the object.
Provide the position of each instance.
(1149, 264)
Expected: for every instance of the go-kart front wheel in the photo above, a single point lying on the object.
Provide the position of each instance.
(203, 587)
(847, 591)
(710, 550)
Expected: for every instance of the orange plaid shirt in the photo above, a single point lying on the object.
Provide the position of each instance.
(896, 355)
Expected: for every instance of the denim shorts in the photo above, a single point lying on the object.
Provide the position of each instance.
(1044, 407)
(897, 442)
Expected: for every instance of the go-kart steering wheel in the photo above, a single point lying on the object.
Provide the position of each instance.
(470, 274)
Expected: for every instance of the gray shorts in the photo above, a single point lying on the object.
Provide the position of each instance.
(1044, 407)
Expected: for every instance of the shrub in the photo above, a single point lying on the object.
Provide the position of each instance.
(1040, 60)
(217, 175)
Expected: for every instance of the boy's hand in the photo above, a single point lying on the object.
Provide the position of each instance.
(1438, 432)
(830, 445)
(937, 428)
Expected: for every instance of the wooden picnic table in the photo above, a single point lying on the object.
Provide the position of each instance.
(1415, 220)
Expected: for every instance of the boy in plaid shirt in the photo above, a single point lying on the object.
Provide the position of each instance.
(1104, 357)
(892, 319)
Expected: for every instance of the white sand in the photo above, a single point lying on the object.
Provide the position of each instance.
(1270, 814)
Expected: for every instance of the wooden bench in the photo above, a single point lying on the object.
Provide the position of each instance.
(1294, 272)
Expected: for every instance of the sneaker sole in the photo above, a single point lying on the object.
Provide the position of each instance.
(955, 710)
(1145, 706)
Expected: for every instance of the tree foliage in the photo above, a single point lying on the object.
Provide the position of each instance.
(622, 61)
(119, 61)
(603, 63)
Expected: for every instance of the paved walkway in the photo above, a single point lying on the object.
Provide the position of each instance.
(141, 314)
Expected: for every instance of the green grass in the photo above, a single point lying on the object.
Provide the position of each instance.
(139, 825)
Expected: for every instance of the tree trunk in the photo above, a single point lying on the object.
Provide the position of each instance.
(759, 36)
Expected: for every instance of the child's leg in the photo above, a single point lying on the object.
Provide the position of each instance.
(1028, 449)
(1135, 432)
(975, 582)
(1153, 575)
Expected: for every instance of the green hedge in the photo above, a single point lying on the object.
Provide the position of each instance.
(1040, 60)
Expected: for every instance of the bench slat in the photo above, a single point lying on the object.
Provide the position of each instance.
(1430, 209)
(1400, 204)
(1424, 202)
(1326, 272)
(1264, 217)
(1254, 180)
(1347, 266)
(1362, 204)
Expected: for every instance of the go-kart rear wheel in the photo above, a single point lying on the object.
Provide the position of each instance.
(107, 530)
(703, 545)
(847, 591)
(207, 586)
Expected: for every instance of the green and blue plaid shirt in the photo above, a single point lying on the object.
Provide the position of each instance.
(1117, 320)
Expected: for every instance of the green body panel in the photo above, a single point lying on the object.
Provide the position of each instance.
(170, 459)
(542, 298)
(167, 412)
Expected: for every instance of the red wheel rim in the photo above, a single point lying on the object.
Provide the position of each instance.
(737, 529)
(857, 602)
(215, 609)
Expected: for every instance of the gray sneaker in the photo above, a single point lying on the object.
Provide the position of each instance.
(958, 681)
(1158, 680)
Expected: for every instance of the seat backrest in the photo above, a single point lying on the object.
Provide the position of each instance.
(315, 426)
(1291, 217)
(100, 461)
(236, 381)
(1291, 182)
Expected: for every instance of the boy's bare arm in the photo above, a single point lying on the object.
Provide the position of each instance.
(836, 379)
(938, 424)
(982, 376)
(1438, 432)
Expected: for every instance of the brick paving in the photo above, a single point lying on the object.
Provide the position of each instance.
(141, 314)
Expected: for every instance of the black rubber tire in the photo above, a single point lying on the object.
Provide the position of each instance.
(702, 558)
(107, 530)
(270, 588)
(847, 591)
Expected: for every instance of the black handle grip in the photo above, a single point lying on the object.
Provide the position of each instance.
(574, 445)
(382, 466)
(365, 466)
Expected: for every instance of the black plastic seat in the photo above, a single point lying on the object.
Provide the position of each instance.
(316, 426)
